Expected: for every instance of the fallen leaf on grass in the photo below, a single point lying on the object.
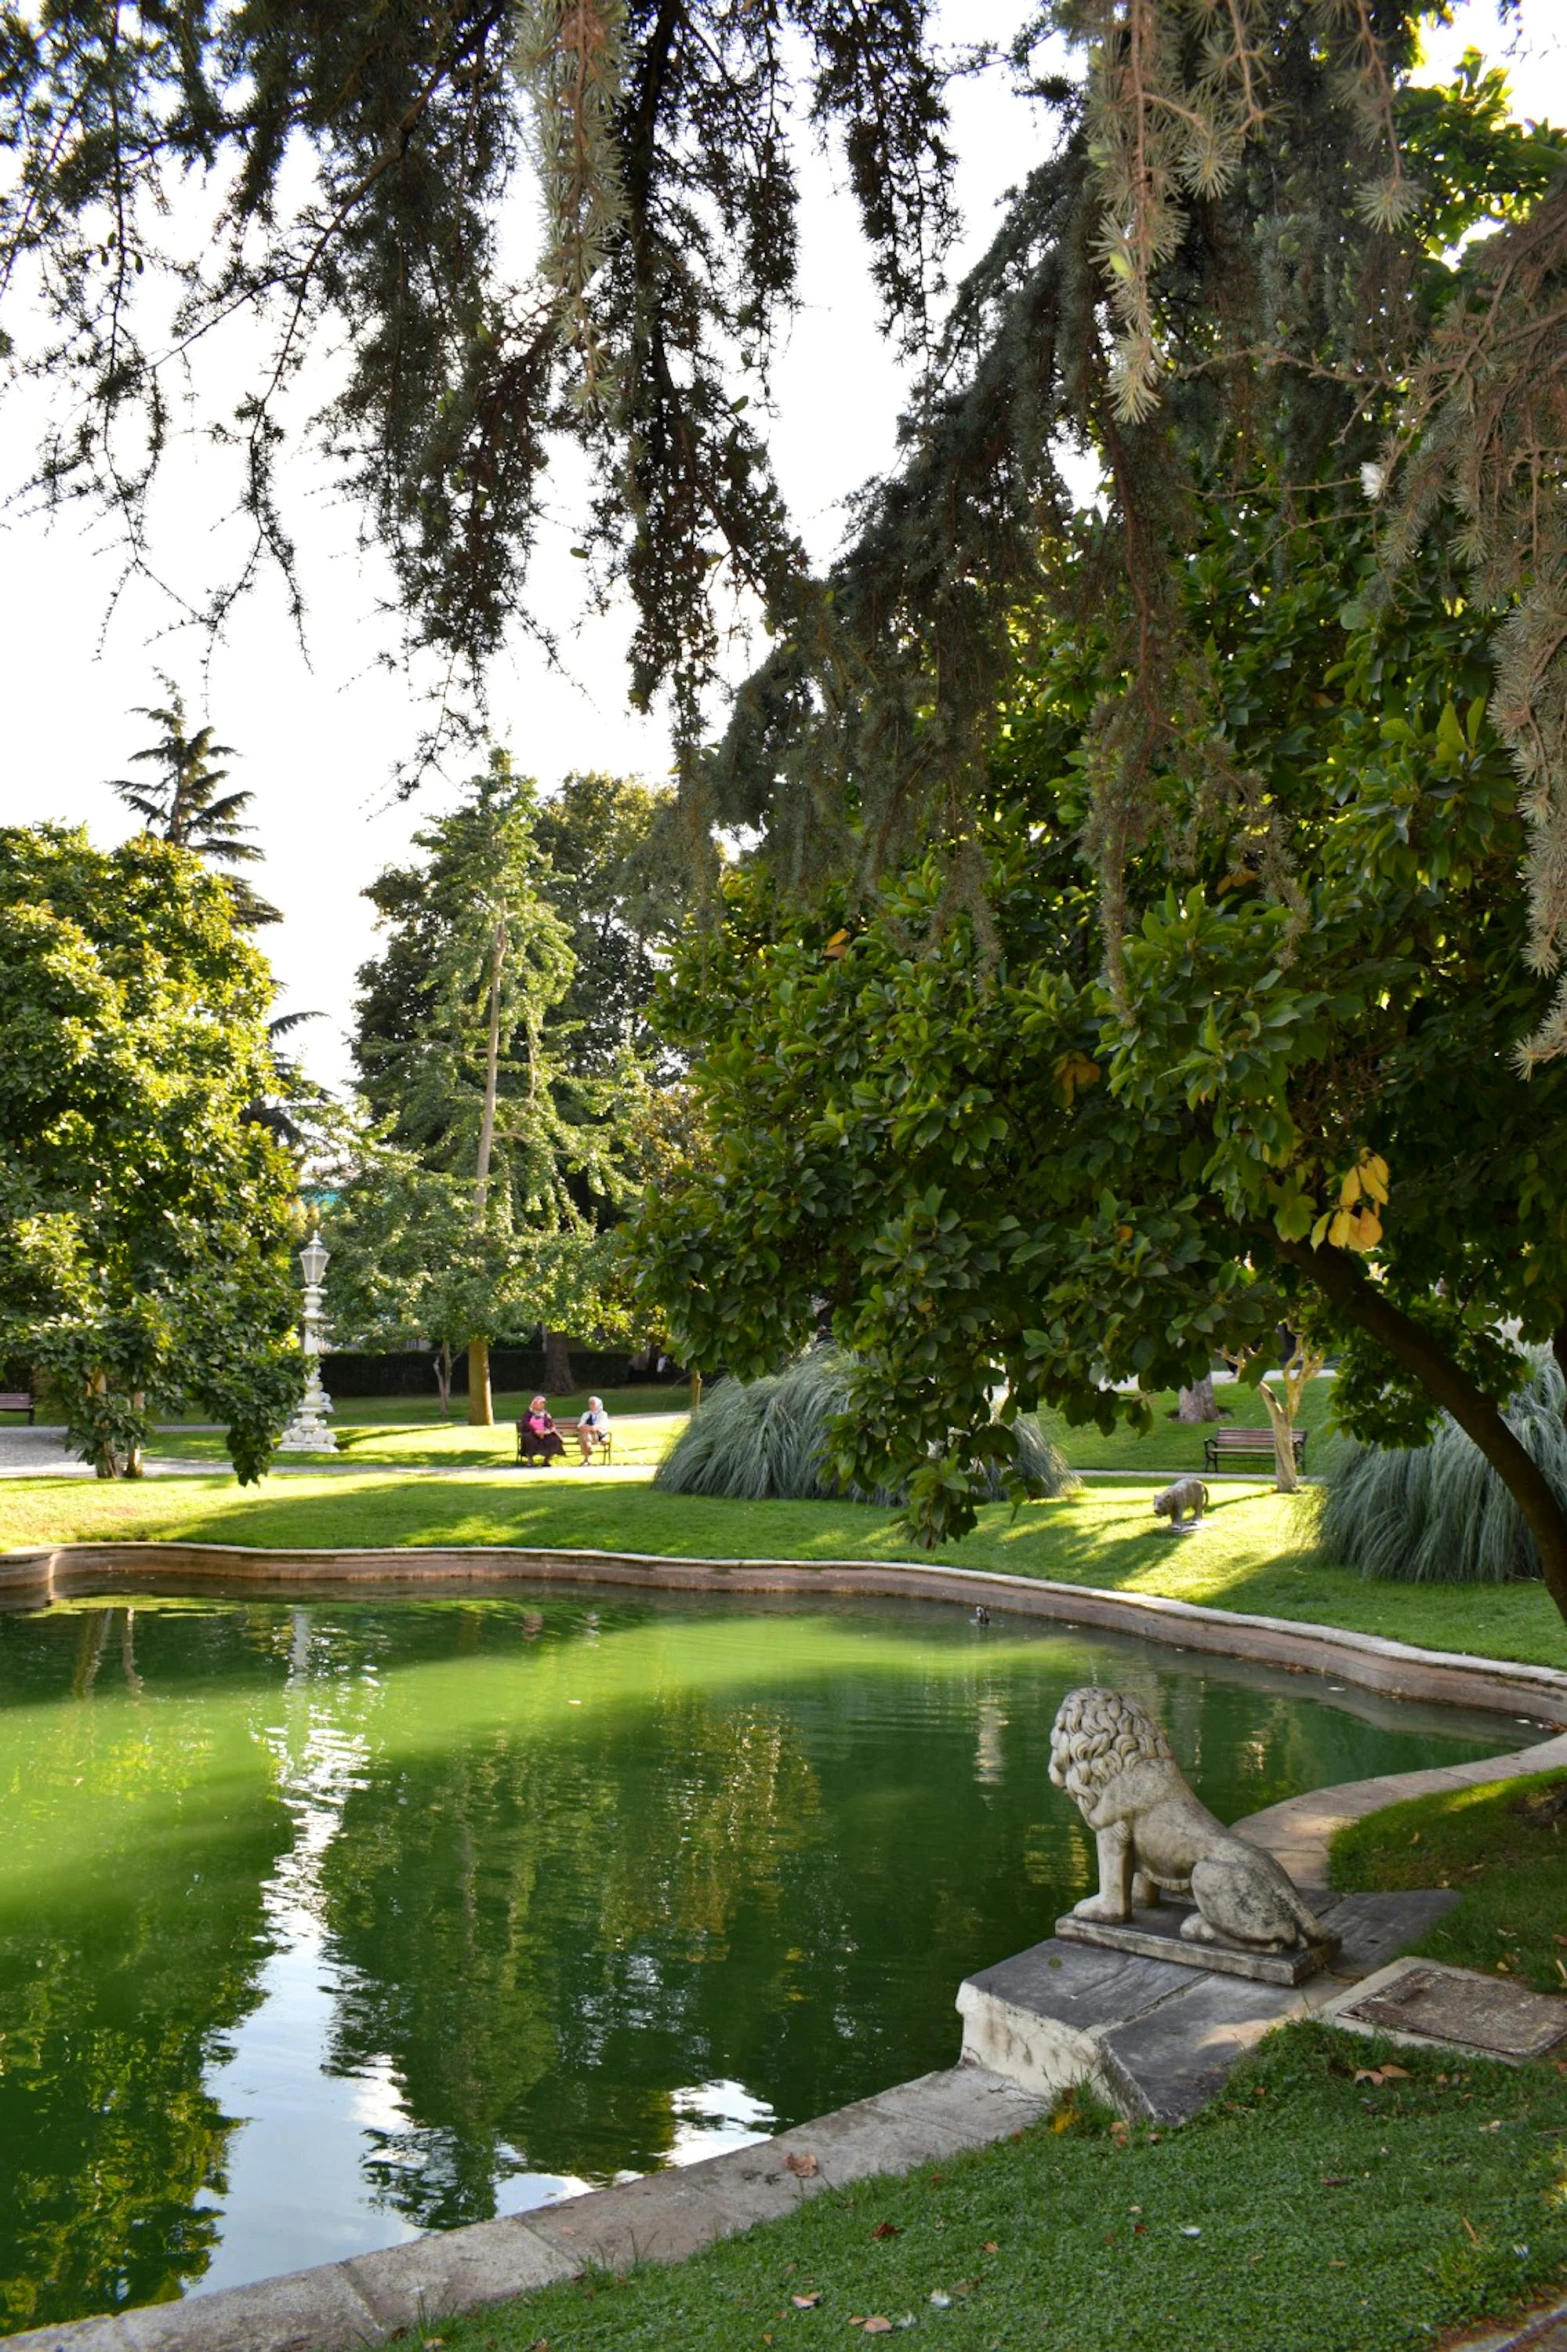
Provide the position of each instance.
(886, 2229)
(805, 2165)
(1335, 2180)
(991, 2247)
(877, 2325)
(1377, 2075)
(942, 2302)
(805, 2302)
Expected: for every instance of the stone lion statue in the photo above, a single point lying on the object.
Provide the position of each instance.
(1114, 1761)
(1185, 1494)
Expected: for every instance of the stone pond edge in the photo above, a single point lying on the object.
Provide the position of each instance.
(1373, 1661)
(666, 2216)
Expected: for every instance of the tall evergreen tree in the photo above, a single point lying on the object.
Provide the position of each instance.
(1224, 245)
(185, 805)
(467, 1062)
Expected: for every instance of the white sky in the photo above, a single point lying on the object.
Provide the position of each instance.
(321, 729)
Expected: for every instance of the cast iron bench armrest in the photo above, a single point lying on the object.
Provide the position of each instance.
(1249, 1441)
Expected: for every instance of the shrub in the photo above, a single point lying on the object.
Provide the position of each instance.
(758, 1438)
(1438, 1513)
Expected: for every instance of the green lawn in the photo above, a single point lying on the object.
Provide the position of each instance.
(411, 1431)
(1305, 2212)
(1254, 1553)
(1173, 1445)
(1505, 1845)
(427, 1442)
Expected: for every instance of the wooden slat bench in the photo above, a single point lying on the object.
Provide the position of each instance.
(604, 1451)
(17, 1400)
(1233, 1445)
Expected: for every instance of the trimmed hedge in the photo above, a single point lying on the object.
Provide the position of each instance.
(354, 1372)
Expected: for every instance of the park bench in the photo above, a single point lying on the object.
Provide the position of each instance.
(604, 1451)
(17, 1400)
(1233, 1445)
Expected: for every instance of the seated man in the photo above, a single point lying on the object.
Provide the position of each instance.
(593, 1428)
(538, 1439)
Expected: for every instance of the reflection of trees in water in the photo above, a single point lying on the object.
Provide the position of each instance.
(773, 1870)
(525, 1929)
(117, 1974)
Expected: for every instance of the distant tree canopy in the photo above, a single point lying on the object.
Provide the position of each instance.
(622, 885)
(502, 1110)
(146, 1218)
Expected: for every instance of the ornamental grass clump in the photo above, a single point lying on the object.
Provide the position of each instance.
(754, 1439)
(1438, 1513)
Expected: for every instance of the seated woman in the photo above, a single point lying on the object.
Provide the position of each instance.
(538, 1439)
(593, 1428)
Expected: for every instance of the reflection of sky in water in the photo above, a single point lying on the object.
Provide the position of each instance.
(303, 2164)
(453, 1909)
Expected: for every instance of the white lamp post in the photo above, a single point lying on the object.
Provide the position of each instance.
(308, 1433)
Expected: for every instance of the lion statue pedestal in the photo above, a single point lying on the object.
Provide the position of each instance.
(1156, 1838)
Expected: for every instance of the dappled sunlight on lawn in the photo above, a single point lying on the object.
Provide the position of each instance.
(1254, 1553)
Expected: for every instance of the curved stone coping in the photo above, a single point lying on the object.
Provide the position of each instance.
(665, 2216)
(661, 2217)
(1447, 1677)
(1300, 1830)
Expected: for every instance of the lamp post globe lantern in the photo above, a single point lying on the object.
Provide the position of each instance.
(308, 1432)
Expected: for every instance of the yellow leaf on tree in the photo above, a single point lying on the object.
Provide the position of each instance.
(1367, 1229)
(1373, 1175)
(1349, 1190)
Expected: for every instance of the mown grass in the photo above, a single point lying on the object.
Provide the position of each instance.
(412, 1430)
(641, 1438)
(1504, 1845)
(1255, 1552)
(1172, 1445)
(1304, 2212)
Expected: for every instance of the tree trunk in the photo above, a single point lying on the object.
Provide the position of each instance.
(1345, 1283)
(443, 1377)
(105, 1461)
(481, 1412)
(1286, 1478)
(492, 1064)
(135, 1466)
(559, 1378)
(1196, 1403)
(696, 1391)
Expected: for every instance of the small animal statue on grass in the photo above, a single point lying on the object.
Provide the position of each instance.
(1152, 1833)
(1187, 1494)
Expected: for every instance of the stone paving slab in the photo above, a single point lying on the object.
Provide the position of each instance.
(1431, 2005)
(455, 2270)
(317, 2310)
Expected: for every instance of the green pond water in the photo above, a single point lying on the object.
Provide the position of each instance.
(324, 1924)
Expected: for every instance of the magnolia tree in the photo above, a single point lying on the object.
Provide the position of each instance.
(146, 1215)
(1298, 1102)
